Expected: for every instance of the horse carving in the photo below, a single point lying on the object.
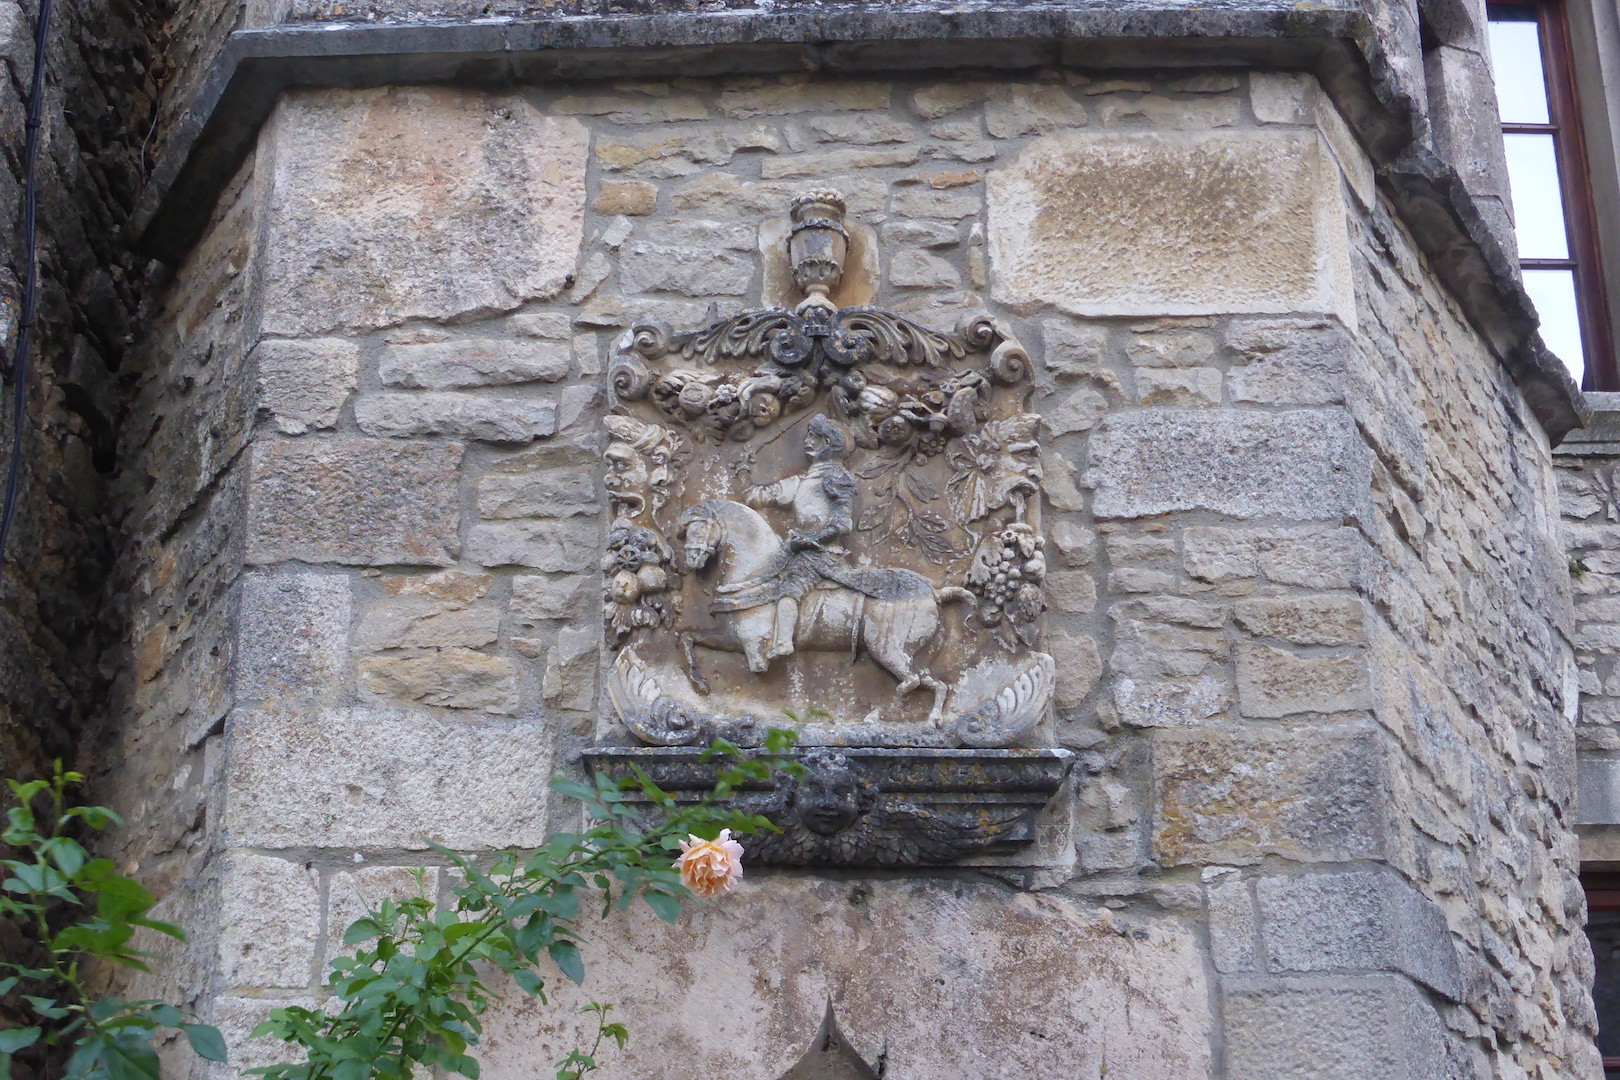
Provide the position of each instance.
(890, 614)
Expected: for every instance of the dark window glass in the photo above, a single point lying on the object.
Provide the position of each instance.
(1603, 929)
(1552, 204)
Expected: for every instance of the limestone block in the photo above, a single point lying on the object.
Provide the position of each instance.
(918, 202)
(1194, 223)
(412, 622)
(1597, 786)
(1309, 794)
(305, 383)
(827, 162)
(1079, 666)
(1280, 97)
(350, 894)
(1296, 464)
(536, 597)
(270, 922)
(1076, 350)
(1075, 544)
(384, 778)
(624, 108)
(1072, 409)
(454, 365)
(468, 416)
(1167, 113)
(552, 493)
(1313, 558)
(723, 195)
(553, 546)
(634, 198)
(1369, 1027)
(451, 678)
(236, 1017)
(416, 202)
(292, 645)
(1031, 109)
(1304, 620)
(1367, 920)
(933, 102)
(944, 980)
(919, 269)
(861, 129)
(1073, 592)
(1232, 924)
(1273, 682)
(571, 665)
(793, 97)
(452, 586)
(1288, 361)
(1179, 388)
(665, 152)
(689, 271)
(1165, 348)
(352, 500)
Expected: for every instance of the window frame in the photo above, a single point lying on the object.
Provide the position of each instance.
(1575, 185)
(1602, 888)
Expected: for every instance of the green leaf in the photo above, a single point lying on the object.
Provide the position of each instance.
(528, 981)
(130, 1056)
(361, 931)
(15, 1039)
(168, 1015)
(665, 906)
(566, 956)
(205, 1041)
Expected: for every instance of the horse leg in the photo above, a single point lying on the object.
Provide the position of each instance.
(689, 645)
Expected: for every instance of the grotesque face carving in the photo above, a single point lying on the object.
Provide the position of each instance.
(830, 797)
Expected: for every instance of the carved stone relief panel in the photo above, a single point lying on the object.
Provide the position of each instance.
(833, 514)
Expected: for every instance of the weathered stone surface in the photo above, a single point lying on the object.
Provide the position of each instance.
(469, 416)
(1179, 388)
(352, 500)
(350, 894)
(453, 365)
(570, 681)
(455, 586)
(1297, 464)
(1072, 409)
(536, 597)
(1370, 1027)
(794, 96)
(1076, 350)
(1233, 928)
(827, 162)
(1025, 985)
(413, 622)
(416, 202)
(384, 778)
(1237, 796)
(452, 678)
(549, 493)
(553, 546)
(1189, 224)
(305, 383)
(635, 198)
(1313, 558)
(1079, 666)
(919, 269)
(1274, 682)
(664, 153)
(687, 271)
(1170, 348)
(1304, 620)
(1366, 920)
(1031, 109)
(1289, 361)
(270, 922)
(293, 641)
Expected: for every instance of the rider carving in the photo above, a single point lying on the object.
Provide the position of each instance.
(822, 499)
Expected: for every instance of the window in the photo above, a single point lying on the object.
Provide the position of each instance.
(1552, 198)
(1603, 929)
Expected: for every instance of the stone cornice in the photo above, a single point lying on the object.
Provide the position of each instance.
(610, 39)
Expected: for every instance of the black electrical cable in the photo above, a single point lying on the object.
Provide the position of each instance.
(25, 327)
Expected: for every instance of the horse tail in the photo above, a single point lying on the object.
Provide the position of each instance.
(952, 593)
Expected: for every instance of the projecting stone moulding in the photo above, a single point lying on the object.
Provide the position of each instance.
(1143, 223)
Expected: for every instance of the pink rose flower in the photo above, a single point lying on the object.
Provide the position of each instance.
(710, 867)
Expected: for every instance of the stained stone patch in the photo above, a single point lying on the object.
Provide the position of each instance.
(417, 202)
(1156, 223)
(939, 980)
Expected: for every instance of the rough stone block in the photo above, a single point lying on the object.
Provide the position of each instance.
(451, 678)
(1371, 1027)
(1079, 666)
(952, 980)
(236, 1017)
(1273, 682)
(369, 502)
(1175, 224)
(1304, 620)
(570, 681)
(350, 894)
(688, 271)
(305, 383)
(270, 922)
(413, 622)
(416, 203)
(1076, 350)
(293, 642)
(794, 97)
(1019, 109)
(1234, 797)
(1295, 464)
(1232, 924)
(467, 416)
(453, 365)
(1361, 920)
(549, 545)
(920, 270)
(634, 198)
(536, 597)
(1289, 361)
(385, 778)
(1282, 97)
(828, 162)
(1075, 544)
(666, 152)
(1170, 349)
(1072, 409)
(1597, 786)
(1180, 388)
(1073, 592)
(551, 493)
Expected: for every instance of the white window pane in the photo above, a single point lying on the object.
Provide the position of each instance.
(1538, 203)
(1521, 87)
(1553, 292)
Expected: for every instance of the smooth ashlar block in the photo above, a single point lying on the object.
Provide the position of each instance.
(1172, 223)
(416, 203)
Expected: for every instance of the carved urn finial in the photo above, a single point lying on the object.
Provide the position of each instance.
(817, 245)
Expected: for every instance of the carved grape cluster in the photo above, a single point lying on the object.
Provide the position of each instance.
(1007, 575)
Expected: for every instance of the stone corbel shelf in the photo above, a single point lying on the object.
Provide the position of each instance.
(871, 807)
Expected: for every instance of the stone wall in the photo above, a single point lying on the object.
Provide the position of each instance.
(101, 89)
(1310, 609)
